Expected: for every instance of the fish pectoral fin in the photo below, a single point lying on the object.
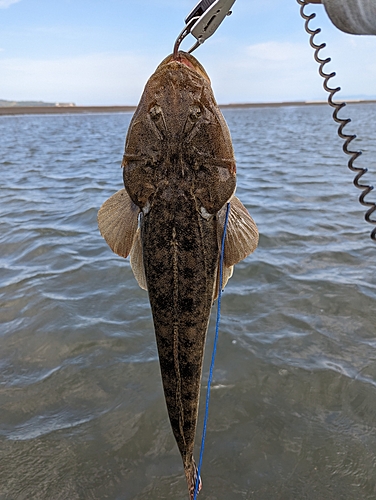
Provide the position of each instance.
(137, 261)
(118, 222)
(226, 275)
(242, 234)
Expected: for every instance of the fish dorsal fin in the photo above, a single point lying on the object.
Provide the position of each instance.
(137, 261)
(242, 234)
(118, 221)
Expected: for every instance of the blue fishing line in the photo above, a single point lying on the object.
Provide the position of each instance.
(214, 351)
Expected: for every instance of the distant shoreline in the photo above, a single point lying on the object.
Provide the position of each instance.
(57, 110)
(54, 110)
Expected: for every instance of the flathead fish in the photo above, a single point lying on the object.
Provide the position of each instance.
(179, 173)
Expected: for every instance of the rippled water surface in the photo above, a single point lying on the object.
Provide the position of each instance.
(293, 410)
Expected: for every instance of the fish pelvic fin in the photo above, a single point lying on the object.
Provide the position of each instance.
(118, 222)
(191, 474)
(137, 261)
(227, 272)
(241, 239)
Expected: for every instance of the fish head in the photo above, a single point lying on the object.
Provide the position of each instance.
(179, 130)
(176, 96)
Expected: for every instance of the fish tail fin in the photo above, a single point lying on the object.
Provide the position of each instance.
(191, 474)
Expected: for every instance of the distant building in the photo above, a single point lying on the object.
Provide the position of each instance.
(39, 104)
(65, 104)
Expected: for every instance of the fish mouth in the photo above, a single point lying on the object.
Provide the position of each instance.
(187, 60)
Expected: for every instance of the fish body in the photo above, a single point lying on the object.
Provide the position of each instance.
(179, 173)
(181, 258)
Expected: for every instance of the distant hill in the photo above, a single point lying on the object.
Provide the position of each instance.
(18, 104)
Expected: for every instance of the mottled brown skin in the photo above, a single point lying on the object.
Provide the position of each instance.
(179, 160)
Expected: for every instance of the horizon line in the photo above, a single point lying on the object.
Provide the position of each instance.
(61, 109)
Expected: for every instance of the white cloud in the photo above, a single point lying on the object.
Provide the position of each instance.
(7, 3)
(263, 72)
(105, 78)
(276, 51)
(286, 71)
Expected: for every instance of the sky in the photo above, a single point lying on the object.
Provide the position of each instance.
(101, 52)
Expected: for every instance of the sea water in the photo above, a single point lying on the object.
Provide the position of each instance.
(293, 405)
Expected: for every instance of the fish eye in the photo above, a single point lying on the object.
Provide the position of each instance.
(195, 113)
(155, 112)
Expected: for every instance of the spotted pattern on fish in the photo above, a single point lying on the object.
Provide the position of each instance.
(179, 173)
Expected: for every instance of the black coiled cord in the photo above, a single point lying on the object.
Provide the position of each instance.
(366, 189)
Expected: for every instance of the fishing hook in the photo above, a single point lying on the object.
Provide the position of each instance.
(341, 121)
